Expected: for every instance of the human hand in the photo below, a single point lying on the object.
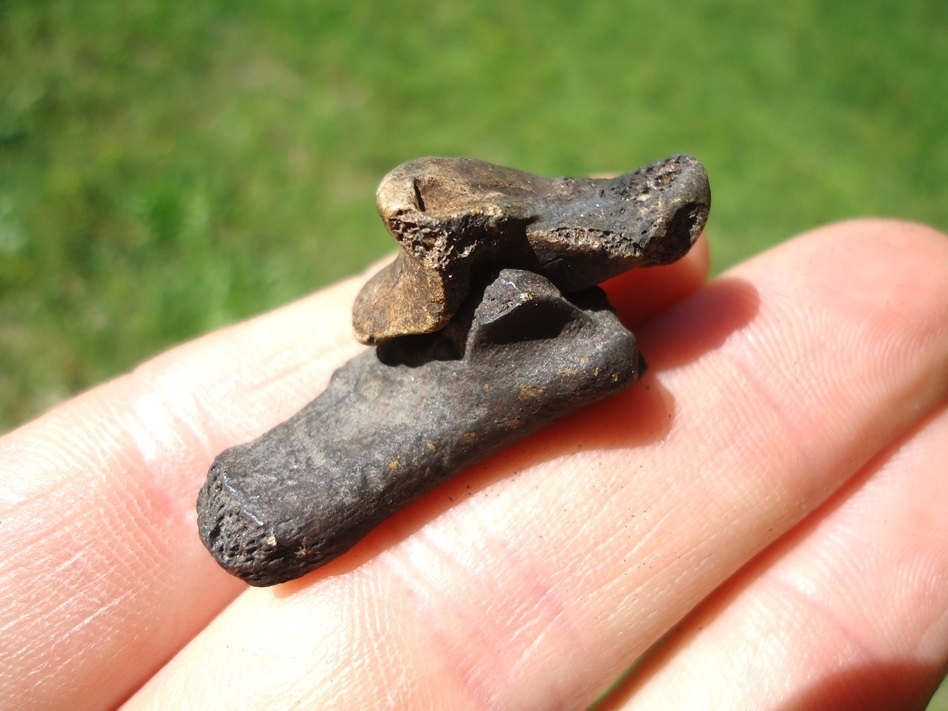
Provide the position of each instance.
(758, 523)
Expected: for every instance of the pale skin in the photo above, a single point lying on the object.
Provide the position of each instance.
(759, 523)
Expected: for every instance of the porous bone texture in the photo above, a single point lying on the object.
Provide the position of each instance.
(457, 219)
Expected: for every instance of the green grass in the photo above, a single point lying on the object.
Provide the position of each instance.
(168, 167)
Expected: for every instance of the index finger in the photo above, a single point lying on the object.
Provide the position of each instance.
(535, 578)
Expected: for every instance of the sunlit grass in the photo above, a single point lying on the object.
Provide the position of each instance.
(169, 167)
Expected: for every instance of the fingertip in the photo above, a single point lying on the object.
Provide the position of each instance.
(639, 294)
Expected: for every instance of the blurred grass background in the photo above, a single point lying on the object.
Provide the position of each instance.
(169, 167)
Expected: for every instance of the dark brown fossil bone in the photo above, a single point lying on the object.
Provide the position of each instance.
(457, 218)
(478, 348)
(384, 432)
